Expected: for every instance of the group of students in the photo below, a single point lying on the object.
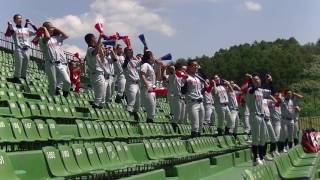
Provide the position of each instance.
(50, 41)
(191, 95)
(266, 115)
(134, 76)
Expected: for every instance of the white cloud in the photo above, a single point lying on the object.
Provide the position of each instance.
(74, 49)
(125, 16)
(252, 6)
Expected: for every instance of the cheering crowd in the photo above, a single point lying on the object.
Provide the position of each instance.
(270, 116)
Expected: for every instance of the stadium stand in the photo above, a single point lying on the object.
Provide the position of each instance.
(45, 137)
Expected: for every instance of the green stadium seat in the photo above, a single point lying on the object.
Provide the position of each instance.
(115, 161)
(82, 129)
(287, 171)
(6, 133)
(55, 163)
(111, 129)
(55, 134)
(25, 110)
(6, 169)
(31, 130)
(105, 130)
(35, 111)
(70, 162)
(82, 158)
(296, 161)
(18, 130)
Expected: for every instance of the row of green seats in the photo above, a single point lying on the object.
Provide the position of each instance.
(78, 161)
(157, 130)
(101, 130)
(22, 109)
(296, 164)
(107, 159)
(214, 145)
(167, 151)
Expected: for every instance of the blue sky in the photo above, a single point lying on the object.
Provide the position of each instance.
(185, 28)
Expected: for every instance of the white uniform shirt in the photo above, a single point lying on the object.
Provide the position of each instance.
(255, 100)
(107, 65)
(21, 37)
(118, 65)
(221, 95)
(275, 110)
(194, 88)
(132, 70)
(149, 74)
(233, 103)
(208, 98)
(93, 61)
(175, 84)
(52, 50)
(288, 108)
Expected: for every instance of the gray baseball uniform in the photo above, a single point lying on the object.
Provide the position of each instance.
(287, 119)
(132, 89)
(97, 74)
(21, 39)
(208, 108)
(194, 102)
(56, 64)
(267, 120)
(149, 98)
(255, 105)
(234, 110)
(178, 103)
(120, 80)
(275, 112)
(221, 103)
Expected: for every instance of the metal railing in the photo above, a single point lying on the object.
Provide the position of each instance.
(309, 122)
(7, 43)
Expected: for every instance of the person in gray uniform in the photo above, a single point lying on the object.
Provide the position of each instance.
(110, 58)
(56, 64)
(21, 38)
(269, 128)
(148, 81)
(288, 111)
(275, 112)
(221, 103)
(120, 80)
(254, 99)
(131, 69)
(177, 99)
(98, 67)
(233, 91)
(193, 88)
(244, 115)
(296, 118)
(209, 103)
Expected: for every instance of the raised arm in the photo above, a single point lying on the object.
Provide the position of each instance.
(62, 34)
(299, 96)
(9, 30)
(96, 49)
(46, 34)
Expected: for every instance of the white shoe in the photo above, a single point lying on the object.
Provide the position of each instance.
(268, 157)
(257, 162)
(285, 150)
(276, 154)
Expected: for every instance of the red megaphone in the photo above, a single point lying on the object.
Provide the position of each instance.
(114, 37)
(77, 55)
(161, 91)
(36, 39)
(126, 40)
(99, 27)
